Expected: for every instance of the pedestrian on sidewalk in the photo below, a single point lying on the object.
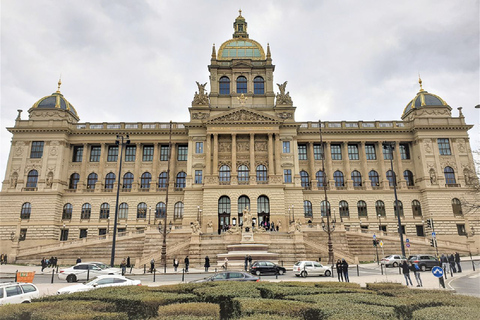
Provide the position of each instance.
(444, 261)
(416, 271)
(43, 263)
(406, 272)
(451, 261)
(128, 262)
(249, 260)
(1, 259)
(5, 259)
(123, 266)
(79, 260)
(457, 261)
(339, 270)
(175, 264)
(345, 270)
(207, 263)
(246, 263)
(152, 265)
(187, 263)
(225, 264)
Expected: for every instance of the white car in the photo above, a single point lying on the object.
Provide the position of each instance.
(14, 292)
(393, 260)
(101, 282)
(311, 268)
(82, 270)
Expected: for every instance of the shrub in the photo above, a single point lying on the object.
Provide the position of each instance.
(446, 312)
(195, 309)
(248, 306)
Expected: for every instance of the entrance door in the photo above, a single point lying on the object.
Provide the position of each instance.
(223, 220)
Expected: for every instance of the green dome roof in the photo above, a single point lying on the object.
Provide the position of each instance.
(241, 49)
(423, 99)
(55, 101)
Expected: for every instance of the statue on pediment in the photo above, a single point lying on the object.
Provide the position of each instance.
(201, 96)
(282, 97)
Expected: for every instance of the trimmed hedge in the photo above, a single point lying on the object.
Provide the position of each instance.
(195, 309)
(446, 312)
(249, 307)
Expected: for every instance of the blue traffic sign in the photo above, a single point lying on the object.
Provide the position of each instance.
(408, 244)
(407, 240)
(437, 272)
(374, 237)
(433, 234)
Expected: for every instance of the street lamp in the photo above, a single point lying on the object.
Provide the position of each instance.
(121, 141)
(380, 222)
(164, 231)
(390, 146)
(327, 229)
(108, 224)
(149, 214)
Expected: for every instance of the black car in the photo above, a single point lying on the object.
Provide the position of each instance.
(263, 267)
(228, 276)
(424, 261)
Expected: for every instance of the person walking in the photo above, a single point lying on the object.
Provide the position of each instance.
(128, 262)
(225, 263)
(79, 260)
(457, 261)
(187, 263)
(345, 270)
(43, 263)
(123, 266)
(1, 259)
(207, 263)
(249, 260)
(416, 271)
(339, 270)
(246, 263)
(152, 265)
(444, 261)
(175, 264)
(406, 272)
(451, 261)
(5, 259)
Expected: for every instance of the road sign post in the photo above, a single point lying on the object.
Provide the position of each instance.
(438, 272)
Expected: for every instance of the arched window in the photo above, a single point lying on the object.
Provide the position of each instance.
(224, 84)
(374, 178)
(391, 178)
(32, 179)
(243, 174)
(416, 208)
(449, 175)
(362, 208)
(322, 208)
(26, 211)
(142, 210)
(343, 207)
(457, 207)
(224, 205)
(338, 177)
(241, 84)
(243, 203)
(104, 211)
(400, 208)
(145, 180)
(162, 180)
(263, 209)
(92, 180)
(307, 209)
(258, 85)
(321, 179)
(357, 178)
(160, 210)
(67, 211)
(127, 181)
(224, 174)
(262, 173)
(380, 208)
(74, 178)
(86, 211)
(408, 176)
(123, 211)
(109, 181)
(180, 183)
(178, 210)
(304, 179)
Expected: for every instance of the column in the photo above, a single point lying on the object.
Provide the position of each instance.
(271, 170)
(155, 163)
(363, 162)
(136, 171)
(191, 150)
(208, 155)
(173, 161)
(101, 166)
(381, 165)
(311, 163)
(329, 164)
(215, 154)
(252, 156)
(278, 154)
(399, 172)
(234, 154)
(83, 169)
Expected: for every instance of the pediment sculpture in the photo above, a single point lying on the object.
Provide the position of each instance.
(243, 116)
(282, 97)
(201, 96)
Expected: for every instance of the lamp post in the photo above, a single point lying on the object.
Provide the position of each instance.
(326, 228)
(162, 228)
(164, 232)
(108, 224)
(121, 141)
(390, 146)
(380, 223)
(149, 214)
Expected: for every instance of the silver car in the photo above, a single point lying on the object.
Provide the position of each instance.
(84, 270)
(393, 260)
(18, 293)
(311, 268)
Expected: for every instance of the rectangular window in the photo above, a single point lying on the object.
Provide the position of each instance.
(302, 152)
(199, 147)
(420, 230)
(317, 152)
(182, 153)
(404, 151)
(353, 152)
(83, 233)
(95, 154)
(286, 146)
(23, 235)
(198, 176)
(64, 235)
(336, 152)
(77, 153)
(37, 149)
(130, 153)
(164, 153)
(461, 230)
(112, 153)
(370, 152)
(287, 176)
(147, 153)
(444, 147)
(102, 231)
(387, 153)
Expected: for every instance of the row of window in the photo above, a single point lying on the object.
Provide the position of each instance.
(243, 173)
(258, 85)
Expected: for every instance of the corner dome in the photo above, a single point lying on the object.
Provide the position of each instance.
(55, 101)
(424, 99)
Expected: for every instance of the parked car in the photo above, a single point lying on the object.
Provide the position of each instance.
(101, 282)
(424, 261)
(307, 268)
(229, 276)
(393, 260)
(16, 292)
(263, 267)
(81, 271)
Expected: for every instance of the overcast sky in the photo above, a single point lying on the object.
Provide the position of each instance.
(138, 60)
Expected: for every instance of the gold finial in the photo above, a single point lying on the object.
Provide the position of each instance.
(240, 12)
(269, 55)
(59, 84)
(420, 82)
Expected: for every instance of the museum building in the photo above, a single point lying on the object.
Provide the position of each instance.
(242, 151)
